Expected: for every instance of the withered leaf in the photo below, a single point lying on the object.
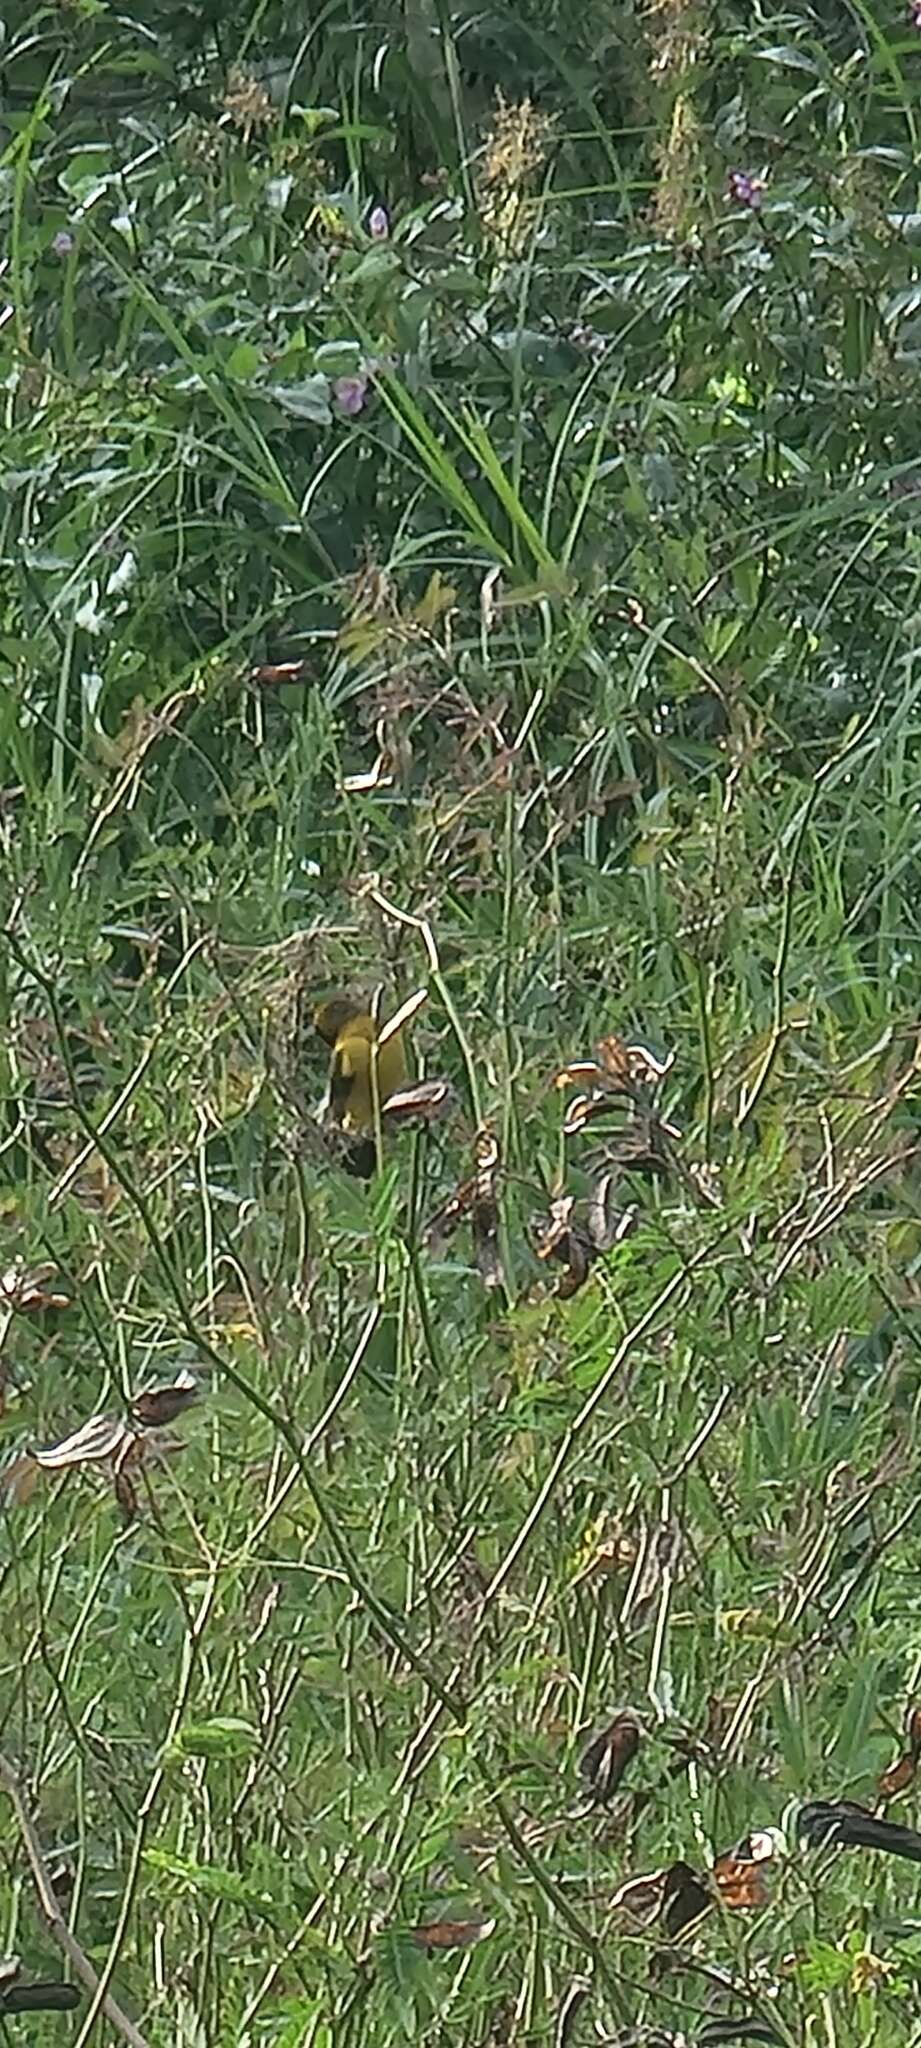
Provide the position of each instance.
(570, 2006)
(126, 1494)
(378, 777)
(452, 1212)
(476, 1199)
(617, 1070)
(607, 1548)
(153, 1407)
(28, 1292)
(556, 1230)
(49, 1995)
(759, 1846)
(640, 1898)
(425, 1102)
(19, 1479)
(52, 1996)
(604, 1761)
(561, 1239)
(841, 1824)
(644, 1068)
(717, 1719)
(641, 1148)
(62, 1877)
(267, 672)
(486, 1249)
(913, 1732)
(745, 2028)
(613, 1058)
(897, 1778)
(577, 1254)
(444, 1934)
(103, 1436)
(740, 1882)
(577, 1071)
(606, 1223)
(484, 1218)
(686, 1897)
(583, 1110)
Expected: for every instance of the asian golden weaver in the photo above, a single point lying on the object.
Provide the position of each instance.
(351, 1031)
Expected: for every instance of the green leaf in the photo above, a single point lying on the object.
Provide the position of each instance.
(225, 1736)
(209, 1879)
(244, 360)
(338, 358)
(788, 53)
(308, 400)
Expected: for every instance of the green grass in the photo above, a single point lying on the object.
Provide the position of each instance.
(615, 576)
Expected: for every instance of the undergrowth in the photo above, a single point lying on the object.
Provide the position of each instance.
(459, 540)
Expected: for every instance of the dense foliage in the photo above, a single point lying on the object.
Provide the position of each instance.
(459, 489)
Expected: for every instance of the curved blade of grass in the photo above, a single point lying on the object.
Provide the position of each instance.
(473, 436)
(265, 473)
(437, 462)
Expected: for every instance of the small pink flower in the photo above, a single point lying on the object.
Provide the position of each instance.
(62, 243)
(914, 13)
(746, 189)
(379, 221)
(350, 393)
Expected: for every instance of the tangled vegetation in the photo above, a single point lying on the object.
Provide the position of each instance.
(459, 488)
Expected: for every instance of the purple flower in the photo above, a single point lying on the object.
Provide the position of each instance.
(379, 220)
(350, 393)
(746, 189)
(62, 243)
(914, 14)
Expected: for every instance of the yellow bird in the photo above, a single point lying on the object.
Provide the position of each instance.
(351, 1031)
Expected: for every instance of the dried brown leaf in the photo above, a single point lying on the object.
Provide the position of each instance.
(19, 1479)
(476, 1198)
(604, 1761)
(103, 1436)
(686, 1897)
(900, 1775)
(268, 672)
(425, 1102)
(641, 1148)
(578, 1255)
(484, 1218)
(640, 1898)
(153, 1407)
(606, 1223)
(28, 1292)
(126, 1494)
(913, 1732)
(560, 1239)
(579, 1071)
(445, 1220)
(613, 1058)
(447, 1934)
(583, 1110)
(570, 2006)
(52, 1995)
(643, 1068)
(740, 1882)
(897, 1778)
(555, 1232)
(486, 1248)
